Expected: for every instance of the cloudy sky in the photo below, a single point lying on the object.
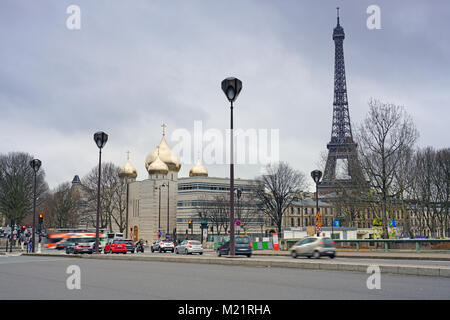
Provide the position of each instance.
(134, 65)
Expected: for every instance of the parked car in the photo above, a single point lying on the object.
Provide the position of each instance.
(83, 247)
(163, 246)
(189, 247)
(116, 246)
(243, 246)
(314, 247)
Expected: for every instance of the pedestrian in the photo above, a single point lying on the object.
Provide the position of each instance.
(26, 244)
(30, 246)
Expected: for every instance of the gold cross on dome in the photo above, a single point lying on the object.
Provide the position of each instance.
(128, 155)
(164, 129)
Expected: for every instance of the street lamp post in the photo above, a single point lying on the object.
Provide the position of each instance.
(100, 139)
(316, 175)
(35, 164)
(159, 210)
(238, 194)
(168, 202)
(231, 87)
(128, 195)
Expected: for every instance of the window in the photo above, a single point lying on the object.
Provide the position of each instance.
(242, 240)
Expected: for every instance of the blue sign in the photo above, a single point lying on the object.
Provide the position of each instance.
(394, 223)
(336, 223)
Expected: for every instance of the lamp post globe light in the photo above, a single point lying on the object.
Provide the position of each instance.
(231, 87)
(35, 165)
(100, 139)
(316, 175)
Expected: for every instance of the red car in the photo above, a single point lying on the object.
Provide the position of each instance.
(117, 246)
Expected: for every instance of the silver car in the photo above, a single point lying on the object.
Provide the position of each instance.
(189, 247)
(314, 247)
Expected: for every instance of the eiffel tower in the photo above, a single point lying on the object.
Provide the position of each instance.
(341, 148)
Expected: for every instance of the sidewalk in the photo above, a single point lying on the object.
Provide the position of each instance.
(369, 255)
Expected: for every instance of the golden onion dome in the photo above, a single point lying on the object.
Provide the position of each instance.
(158, 167)
(198, 170)
(165, 154)
(128, 171)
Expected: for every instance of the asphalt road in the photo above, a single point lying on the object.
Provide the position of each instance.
(337, 259)
(27, 277)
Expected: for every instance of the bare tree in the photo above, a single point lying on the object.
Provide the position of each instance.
(17, 187)
(62, 207)
(402, 188)
(277, 189)
(386, 132)
(217, 211)
(430, 190)
(112, 201)
(247, 211)
(442, 182)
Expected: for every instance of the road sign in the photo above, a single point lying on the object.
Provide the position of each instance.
(238, 223)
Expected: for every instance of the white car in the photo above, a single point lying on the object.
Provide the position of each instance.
(189, 247)
(163, 246)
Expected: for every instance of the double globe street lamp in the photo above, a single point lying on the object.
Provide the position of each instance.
(100, 139)
(231, 87)
(35, 165)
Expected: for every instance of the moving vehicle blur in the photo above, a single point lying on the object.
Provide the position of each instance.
(314, 247)
(58, 235)
(82, 247)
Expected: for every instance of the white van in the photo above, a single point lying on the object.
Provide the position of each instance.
(114, 236)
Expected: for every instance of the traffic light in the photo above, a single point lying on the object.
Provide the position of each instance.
(24, 227)
(190, 224)
(41, 218)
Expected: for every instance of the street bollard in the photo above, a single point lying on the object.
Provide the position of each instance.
(386, 247)
(39, 248)
(417, 247)
(357, 246)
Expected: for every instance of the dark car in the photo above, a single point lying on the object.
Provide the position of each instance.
(131, 246)
(243, 246)
(82, 247)
(62, 245)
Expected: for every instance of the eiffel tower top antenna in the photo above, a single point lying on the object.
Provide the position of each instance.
(337, 8)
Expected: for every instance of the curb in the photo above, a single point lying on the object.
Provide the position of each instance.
(356, 256)
(433, 271)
